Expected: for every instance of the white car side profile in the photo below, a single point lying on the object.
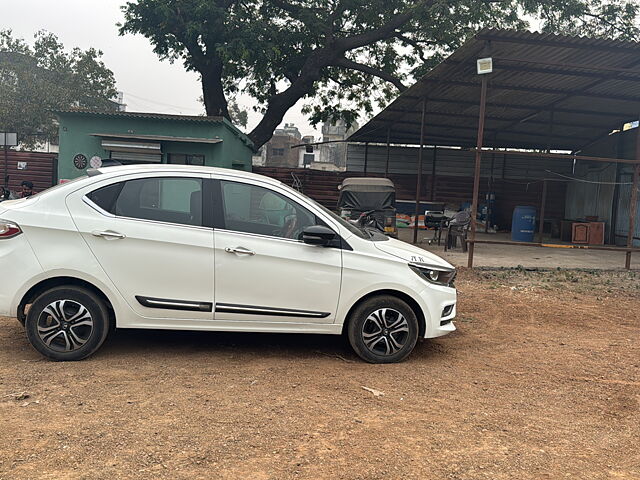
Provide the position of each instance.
(201, 248)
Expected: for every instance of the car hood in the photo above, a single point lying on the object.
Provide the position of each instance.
(411, 253)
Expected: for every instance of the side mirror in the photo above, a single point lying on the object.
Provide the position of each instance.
(318, 235)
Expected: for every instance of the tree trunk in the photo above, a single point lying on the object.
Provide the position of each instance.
(283, 101)
(215, 101)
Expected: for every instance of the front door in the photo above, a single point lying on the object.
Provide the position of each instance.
(264, 273)
(149, 236)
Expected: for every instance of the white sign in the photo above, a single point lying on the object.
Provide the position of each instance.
(22, 165)
(95, 162)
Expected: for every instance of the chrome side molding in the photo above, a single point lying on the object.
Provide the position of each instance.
(169, 304)
(258, 310)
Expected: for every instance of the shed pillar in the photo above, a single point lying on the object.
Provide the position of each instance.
(386, 168)
(432, 189)
(633, 208)
(419, 177)
(366, 157)
(543, 204)
(476, 176)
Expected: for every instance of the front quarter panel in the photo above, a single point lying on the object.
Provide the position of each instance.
(367, 269)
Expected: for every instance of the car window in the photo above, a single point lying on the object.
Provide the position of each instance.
(163, 199)
(252, 209)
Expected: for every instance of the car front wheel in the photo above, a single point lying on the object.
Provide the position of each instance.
(67, 323)
(383, 329)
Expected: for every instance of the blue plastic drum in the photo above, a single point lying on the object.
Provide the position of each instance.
(523, 224)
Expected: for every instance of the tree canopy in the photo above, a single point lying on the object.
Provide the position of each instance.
(35, 80)
(342, 56)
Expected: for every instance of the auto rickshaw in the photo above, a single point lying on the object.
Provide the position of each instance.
(370, 202)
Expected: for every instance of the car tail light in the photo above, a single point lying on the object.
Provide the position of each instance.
(9, 229)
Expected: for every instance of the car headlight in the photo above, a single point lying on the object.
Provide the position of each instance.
(435, 274)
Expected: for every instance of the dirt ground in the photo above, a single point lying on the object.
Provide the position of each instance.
(541, 380)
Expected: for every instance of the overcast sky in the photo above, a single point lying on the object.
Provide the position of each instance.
(148, 84)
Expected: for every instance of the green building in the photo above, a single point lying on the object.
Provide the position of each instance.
(94, 138)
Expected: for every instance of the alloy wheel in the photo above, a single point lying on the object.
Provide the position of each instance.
(65, 325)
(385, 331)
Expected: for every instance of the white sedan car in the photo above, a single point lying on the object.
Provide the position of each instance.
(198, 248)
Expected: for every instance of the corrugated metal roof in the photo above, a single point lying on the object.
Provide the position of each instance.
(152, 116)
(588, 86)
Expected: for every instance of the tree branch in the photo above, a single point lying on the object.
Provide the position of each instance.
(350, 64)
(604, 20)
(387, 30)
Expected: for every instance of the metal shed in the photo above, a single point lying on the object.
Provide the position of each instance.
(542, 94)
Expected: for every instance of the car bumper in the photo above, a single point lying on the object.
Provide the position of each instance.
(439, 304)
(17, 257)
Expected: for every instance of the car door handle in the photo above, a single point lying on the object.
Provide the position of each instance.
(107, 234)
(240, 250)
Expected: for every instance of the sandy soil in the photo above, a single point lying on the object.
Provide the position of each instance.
(541, 380)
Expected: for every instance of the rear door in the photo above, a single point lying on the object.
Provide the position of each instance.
(264, 272)
(154, 240)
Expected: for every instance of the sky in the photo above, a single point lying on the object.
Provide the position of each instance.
(148, 84)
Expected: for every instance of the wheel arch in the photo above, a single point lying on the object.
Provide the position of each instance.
(52, 282)
(408, 299)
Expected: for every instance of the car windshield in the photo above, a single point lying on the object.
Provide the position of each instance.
(365, 233)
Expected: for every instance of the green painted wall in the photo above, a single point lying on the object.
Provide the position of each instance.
(76, 128)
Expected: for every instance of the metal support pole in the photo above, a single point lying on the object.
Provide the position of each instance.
(543, 204)
(419, 176)
(633, 208)
(432, 189)
(366, 157)
(6, 166)
(490, 191)
(476, 177)
(386, 168)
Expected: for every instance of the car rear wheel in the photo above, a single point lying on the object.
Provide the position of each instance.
(383, 329)
(67, 323)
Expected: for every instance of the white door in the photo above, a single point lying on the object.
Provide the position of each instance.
(264, 273)
(148, 235)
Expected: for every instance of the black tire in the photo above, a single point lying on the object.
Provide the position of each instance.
(378, 338)
(67, 323)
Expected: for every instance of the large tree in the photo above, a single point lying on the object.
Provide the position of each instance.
(37, 79)
(342, 56)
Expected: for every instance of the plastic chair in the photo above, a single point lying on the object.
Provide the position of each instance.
(458, 227)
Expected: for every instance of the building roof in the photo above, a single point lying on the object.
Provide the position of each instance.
(146, 115)
(217, 120)
(587, 86)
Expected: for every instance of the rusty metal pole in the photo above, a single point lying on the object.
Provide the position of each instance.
(543, 204)
(419, 177)
(633, 208)
(6, 165)
(366, 157)
(476, 178)
(432, 189)
(386, 168)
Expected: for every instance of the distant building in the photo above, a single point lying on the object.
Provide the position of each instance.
(289, 129)
(335, 153)
(331, 156)
(278, 151)
(99, 137)
(310, 154)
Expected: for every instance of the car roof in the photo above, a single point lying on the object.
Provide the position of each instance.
(116, 170)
